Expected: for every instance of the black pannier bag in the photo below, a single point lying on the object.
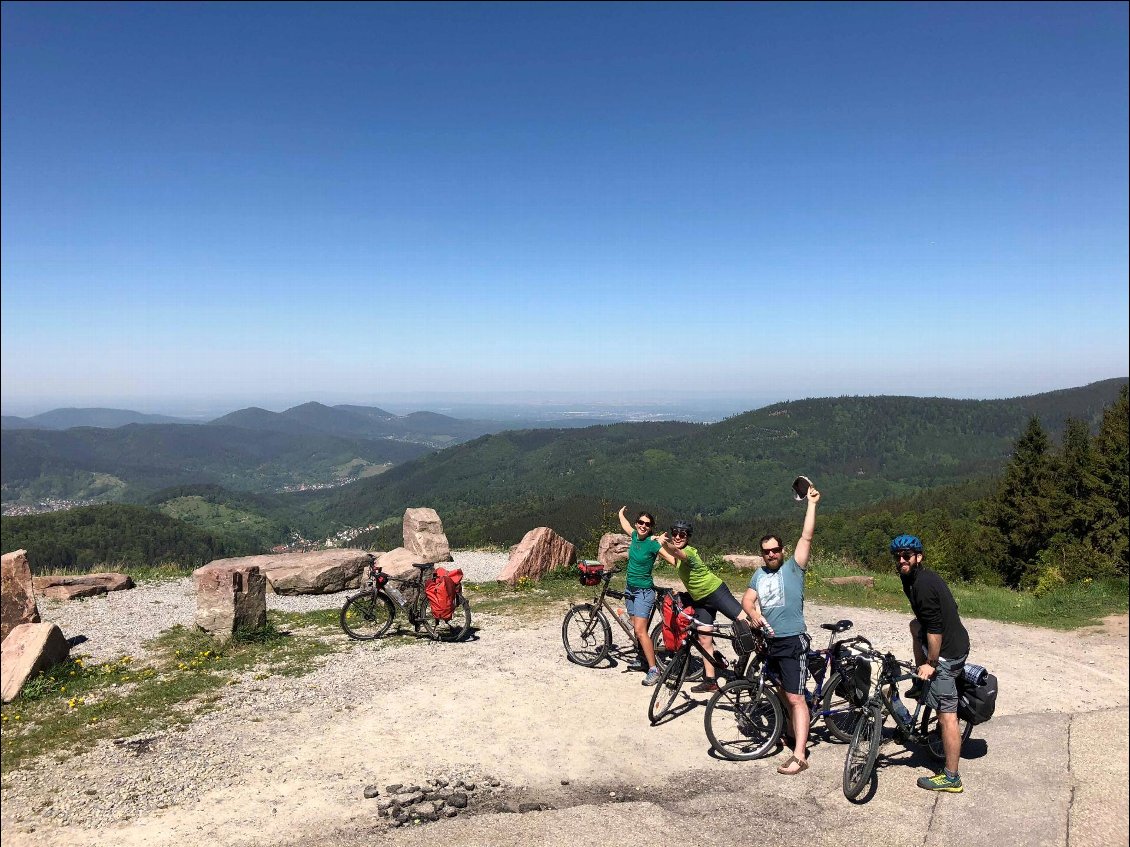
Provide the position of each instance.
(855, 687)
(976, 703)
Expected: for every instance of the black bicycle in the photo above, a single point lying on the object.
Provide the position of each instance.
(677, 671)
(369, 613)
(919, 727)
(586, 631)
(747, 717)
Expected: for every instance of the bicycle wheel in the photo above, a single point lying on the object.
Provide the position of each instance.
(744, 720)
(586, 635)
(663, 655)
(839, 714)
(863, 750)
(458, 627)
(667, 690)
(934, 737)
(367, 615)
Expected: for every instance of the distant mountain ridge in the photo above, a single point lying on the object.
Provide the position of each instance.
(96, 417)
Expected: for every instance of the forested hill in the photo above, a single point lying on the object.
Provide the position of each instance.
(864, 449)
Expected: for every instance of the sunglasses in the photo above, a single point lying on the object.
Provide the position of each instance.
(643, 523)
(678, 534)
(904, 555)
(766, 551)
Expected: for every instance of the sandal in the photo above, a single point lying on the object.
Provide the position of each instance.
(788, 763)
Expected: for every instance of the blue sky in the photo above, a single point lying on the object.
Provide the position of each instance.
(350, 202)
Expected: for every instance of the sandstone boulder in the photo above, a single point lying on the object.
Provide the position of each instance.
(229, 598)
(316, 572)
(865, 581)
(540, 551)
(613, 548)
(399, 562)
(65, 587)
(739, 560)
(17, 593)
(29, 649)
(424, 536)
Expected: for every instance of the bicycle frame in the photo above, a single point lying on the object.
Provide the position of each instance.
(600, 601)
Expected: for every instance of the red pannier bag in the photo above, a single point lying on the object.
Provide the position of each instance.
(591, 572)
(443, 593)
(676, 621)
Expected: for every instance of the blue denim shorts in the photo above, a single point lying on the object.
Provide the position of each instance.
(639, 601)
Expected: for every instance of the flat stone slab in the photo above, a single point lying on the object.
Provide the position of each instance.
(29, 649)
(316, 572)
(865, 581)
(73, 587)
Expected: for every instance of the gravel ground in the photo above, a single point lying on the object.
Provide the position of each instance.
(119, 623)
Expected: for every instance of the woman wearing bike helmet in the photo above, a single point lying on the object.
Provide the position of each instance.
(708, 594)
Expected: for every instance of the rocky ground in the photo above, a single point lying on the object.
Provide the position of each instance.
(555, 753)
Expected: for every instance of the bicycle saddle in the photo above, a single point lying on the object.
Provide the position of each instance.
(838, 626)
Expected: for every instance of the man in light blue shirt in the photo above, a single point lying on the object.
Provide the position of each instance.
(775, 602)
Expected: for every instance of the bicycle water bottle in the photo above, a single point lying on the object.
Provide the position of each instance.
(623, 616)
(898, 709)
(395, 594)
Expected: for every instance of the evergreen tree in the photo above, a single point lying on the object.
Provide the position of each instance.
(1112, 458)
(1023, 509)
(1079, 485)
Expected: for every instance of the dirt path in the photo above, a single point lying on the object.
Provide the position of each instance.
(508, 705)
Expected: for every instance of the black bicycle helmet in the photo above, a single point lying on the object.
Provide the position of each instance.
(907, 542)
(682, 526)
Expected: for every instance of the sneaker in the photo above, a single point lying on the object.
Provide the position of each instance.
(636, 665)
(705, 687)
(652, 676)
(941, 782)
(916, 690)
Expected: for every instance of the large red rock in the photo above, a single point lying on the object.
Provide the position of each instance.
(424, 536)
(539, 552)
(229, 598)
(739, 560)
(66, 587)
(613, 548)
(17, 593)
(316, 572)
(30, 648)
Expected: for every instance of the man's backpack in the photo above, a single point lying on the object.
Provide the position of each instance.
(676, 621)
(442, 591)
(977, 701)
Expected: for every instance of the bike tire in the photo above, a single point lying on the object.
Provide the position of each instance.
(934, 738)
(863, 751)
(458, 627)
(843, 715)
(744, 720)
(367, 615)
(666, 691)
(663, 655)
(586, 634)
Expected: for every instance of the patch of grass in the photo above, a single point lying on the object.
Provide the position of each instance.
(78, 703)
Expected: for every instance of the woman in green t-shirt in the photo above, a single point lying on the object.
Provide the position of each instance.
(639, 595)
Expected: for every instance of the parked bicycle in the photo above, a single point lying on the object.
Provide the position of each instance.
(677, 671)
(586, 631)
(918, 727)
(369, 613)
(746, 717)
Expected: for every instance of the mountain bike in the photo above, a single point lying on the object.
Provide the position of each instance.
(586, 631)
(369, 613)
(677, 671)
(746, 717)
(919, 727)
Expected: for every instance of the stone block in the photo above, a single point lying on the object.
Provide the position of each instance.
(540, 551)
(424, 536)
(30, 648)
(17, 593)
(613, 548)
(230, 597)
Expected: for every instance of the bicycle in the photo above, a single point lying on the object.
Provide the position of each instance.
(746, 717)
(919, 727)
(678, 670)
(369, 613)
(586, 632)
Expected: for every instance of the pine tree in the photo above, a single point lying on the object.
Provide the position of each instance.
(1079, 485)
(1023, 509)
(1112, 457)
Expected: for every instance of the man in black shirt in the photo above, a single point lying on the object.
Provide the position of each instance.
(941, 646)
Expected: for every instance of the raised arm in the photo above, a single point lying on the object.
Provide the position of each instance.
(672, 552)
(804, 545)
(624, 523)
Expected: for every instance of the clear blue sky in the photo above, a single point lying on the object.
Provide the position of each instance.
(767, 201)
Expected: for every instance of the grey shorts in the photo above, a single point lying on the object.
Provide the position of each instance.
(941, 695)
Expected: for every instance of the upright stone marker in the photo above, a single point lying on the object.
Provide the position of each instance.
(17, 593)
(230, 597)
(424, 536)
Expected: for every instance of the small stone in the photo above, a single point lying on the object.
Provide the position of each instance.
(371, 791)
(450, 812)
(433, 796)
(385, 803)
(441, 782)
(457, 800)
(564, 782)
(394, 788)
(469, 786)
(424, 810)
